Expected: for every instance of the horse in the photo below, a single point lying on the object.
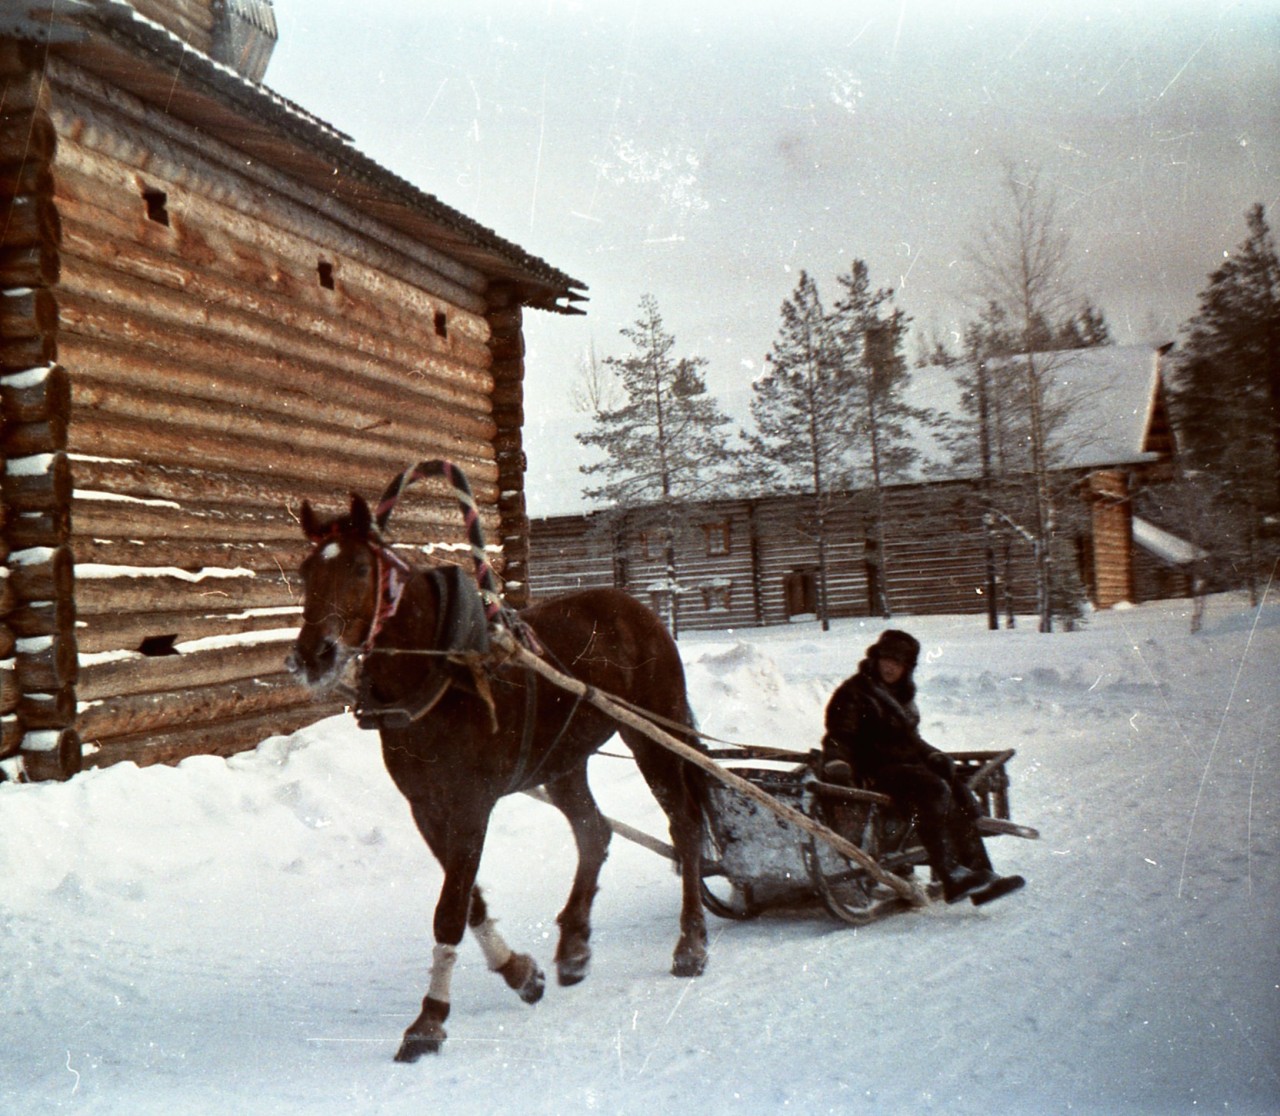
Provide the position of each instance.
(460, 731)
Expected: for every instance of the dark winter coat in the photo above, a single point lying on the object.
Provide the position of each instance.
(872, 725)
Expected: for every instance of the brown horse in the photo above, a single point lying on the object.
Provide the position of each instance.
(460, 731)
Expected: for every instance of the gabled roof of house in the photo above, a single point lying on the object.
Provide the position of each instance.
(1112, 395)
(111, 39)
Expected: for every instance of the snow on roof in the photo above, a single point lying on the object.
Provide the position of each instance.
(1111, 388)
(1168, 547)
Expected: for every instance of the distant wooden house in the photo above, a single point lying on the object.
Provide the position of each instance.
(746, 562)
(211, 306)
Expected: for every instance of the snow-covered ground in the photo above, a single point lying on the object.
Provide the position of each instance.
(252, 935)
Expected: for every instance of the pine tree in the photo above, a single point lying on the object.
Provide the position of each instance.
(800, 411)
(1225, 393)
(666, 444)
(868, 333)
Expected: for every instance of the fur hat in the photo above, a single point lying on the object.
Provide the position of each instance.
(897, 645)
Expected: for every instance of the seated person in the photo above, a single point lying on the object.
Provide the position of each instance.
(872, 728)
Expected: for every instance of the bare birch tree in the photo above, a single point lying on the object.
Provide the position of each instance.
(1023, 264)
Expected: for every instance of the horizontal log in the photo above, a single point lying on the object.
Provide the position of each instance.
(43, 618)
(51, 663)
(130, 631)
(35, 395)
(41, 576)
(134, 592)
(272, 562)
(30, 266)
(8, 641)
(10, 691)
(426, 511)
(49, 710)
(27, 136)
(159, 712)
(12, 731)
(222, 739)
(32, 222)
(30, 529)
(23, 439)
(20, 353)
(40, 485)
(25, 177)
(136, 674)
(27, 312)
(51, 754)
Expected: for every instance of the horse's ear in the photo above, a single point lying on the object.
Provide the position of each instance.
(361, 519)
(307, 517)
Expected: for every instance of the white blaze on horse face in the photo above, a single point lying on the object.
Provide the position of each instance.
(330, 552)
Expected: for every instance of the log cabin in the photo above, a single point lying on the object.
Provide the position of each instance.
(744, 562)
(212, 305)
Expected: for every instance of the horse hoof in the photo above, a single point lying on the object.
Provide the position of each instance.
(572, 970)
(521, 972)
(689, 965)
(413, 1047)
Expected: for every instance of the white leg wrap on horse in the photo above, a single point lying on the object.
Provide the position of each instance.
(443, 958)
(496, 951)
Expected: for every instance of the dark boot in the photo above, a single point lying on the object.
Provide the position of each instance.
(964, 883)
(995, 889)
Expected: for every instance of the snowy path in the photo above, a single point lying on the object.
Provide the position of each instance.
(253, 935)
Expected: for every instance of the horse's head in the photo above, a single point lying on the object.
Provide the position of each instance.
(340, 594)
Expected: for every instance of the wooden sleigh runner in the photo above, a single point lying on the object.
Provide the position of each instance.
(756, 861)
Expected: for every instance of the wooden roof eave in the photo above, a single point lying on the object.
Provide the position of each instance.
(109, 39)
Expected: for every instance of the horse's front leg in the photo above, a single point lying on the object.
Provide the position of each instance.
(459, 904)
(519, 970)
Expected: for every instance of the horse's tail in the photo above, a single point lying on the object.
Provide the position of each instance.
(457, 480)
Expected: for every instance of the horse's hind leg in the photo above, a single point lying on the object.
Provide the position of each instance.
(677, 787)
(571, 794)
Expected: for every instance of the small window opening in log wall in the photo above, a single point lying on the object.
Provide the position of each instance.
(157, 206)
(442, 324)
(324, 269)
(155, 645)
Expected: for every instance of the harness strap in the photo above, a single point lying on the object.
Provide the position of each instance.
(457, 480)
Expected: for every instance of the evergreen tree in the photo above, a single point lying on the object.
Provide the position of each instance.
(667, 443)
(868, 334)
(800, 410)
(1225, 393)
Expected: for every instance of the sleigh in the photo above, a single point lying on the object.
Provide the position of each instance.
(756, 860)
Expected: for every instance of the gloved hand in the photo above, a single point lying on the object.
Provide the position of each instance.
(941, 764)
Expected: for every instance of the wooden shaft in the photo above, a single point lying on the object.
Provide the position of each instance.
(907, 890)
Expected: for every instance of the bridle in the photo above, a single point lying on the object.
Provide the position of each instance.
(391, 574)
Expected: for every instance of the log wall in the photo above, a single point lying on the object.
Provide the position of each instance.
(1112, 538)
(192, 344)
(935, 558)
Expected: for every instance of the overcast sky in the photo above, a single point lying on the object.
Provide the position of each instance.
(705, 152)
